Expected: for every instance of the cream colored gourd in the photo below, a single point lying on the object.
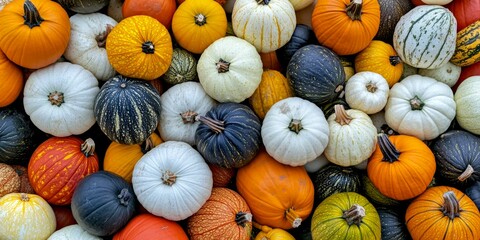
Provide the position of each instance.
(352, 139)
(367, 92)
(230, 69)
(72, 232)
(468, 105)
(448, 73)
(294, 131)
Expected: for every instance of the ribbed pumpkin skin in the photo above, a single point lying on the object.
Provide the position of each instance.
(393, 226)
(16, 136)
(333, 178)
(375, 196)
(130, 53)
(9, 180)
(467, 50)
(216, 219)
(316, 74)
(148, 227)
(473, 192)
(465, 11)
(390, 13)
(56, 167)
(11, 83)
(237, 144)
(127, 110)
(183, 67)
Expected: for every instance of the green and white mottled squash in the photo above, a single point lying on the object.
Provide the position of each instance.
(468, 107)
(182, 69)
(425, 36)
(467, 50)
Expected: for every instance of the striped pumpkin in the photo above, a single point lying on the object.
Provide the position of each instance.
(182, 69)
(467, 51)
(425, 36)
(127, 110)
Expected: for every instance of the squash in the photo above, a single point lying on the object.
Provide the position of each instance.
(374, 196)
(114, 9)
(367, 91)
(270, 61)
(191, 29)
(301, 4)
(420, 106)
(465, 73)
(448, 73)
(9, 179)
(228, 135)
(345, 215)
(84, 6)
(431, 2)
(334, 178)
(348, 67)
(225, 215)
(35, 33)
(346, 27)
(473, 192)
(28, 217)
(257, 23)
(278, 195)
(401, 167)
(182, 104)
(222, 177)
(139, 47)
(74, 231)
(11, 83)
(392, 224)
(464, 11)
(108, 192)
(147, 226)
(467, 48)
(25, 186)
(425, 36)
(443, 213)
(16, 136)
(59, 99)
(272, 234)
(183, 67)
(4, 3)
(302, 36)
(161, 10)
(63, 216)
(87, 43)
(467, 103)
(390, 13)
(230, 76)
(127, 110)
(295, 131)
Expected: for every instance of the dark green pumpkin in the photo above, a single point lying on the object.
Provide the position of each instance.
(457, 153)
(103, 203)
(228, 135)
(83, 6)
(316, 74)
(16, 136)
(390, 13)
(474, 193)
(375, 196)
(182, 69)
(333, 178)
(393, 224)
(329, 108)
(302, 36)
(127, 110)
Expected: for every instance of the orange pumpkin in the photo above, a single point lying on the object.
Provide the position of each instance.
(34, 33)
(401, 167)
(9, 180)
(162, 10)
(11, 81)
(147, 226)
(279, 196)
(222, 177)
(270, 61)
(346, 26)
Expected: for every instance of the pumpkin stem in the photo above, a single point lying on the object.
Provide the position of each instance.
(466, 174)
(200, 19)
(293, 217)
(242, 218)
(147, 145)
(354, 215)
(295, 126)
(169, 178)
(31, 15)
(390, 153)
(88, 147)
(215, 125)
(394, 60)
(264, 2)
(354, 9)
(222, 66)
(341, 115)
(371, 87)
(451, 206)
(102, 37)
(148, 47)
(189, 116)
(416, 103)
(56, 98)
(124, 196)
(24, 197)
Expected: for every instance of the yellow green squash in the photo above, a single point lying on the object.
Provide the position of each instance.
(467, 50)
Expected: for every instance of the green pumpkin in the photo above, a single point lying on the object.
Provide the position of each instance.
(182, 69)
(333, 178)
(372, 193)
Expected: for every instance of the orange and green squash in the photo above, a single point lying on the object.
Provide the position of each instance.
(467, 49)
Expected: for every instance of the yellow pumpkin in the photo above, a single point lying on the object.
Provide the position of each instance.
(140, 47)
(268, 233)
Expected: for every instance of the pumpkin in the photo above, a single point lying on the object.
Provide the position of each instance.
(352, 137)
(431, 2)
(181, 104)
(367, 92)
(295, 131)
(10, 181)
(443, 213)
(333, 178)
(401, 167)
(25, 186)
(16, 136)
(161, 10)
(473, 192)
(392, 224)
(302, 36)
(114, 9)
(448, 73)
(59, 99)
(344, 26)
(278, 195)
(466, 72)
(465, 12)
(28, 216)
(4, 3)
(121, 158)
(84, 6)
(317, 164)
(74, 231)
(381, 58)
(466, 49)
(466, 103)
(273, 87)
(390, 13)
(87, 43)
(348, 67)
(222, 177)
(197, 24)
(183, 67)
(270, 61)
(127, 110)
(108, 192)
(301, 4)
(420, 106)
(146, 226)
(316, 74)
(228, 135)
(63, 216)
(425, 36)
(139, 47)
(11, 83)
(272, 234)
(345, 215)
(374, 196)
(233, 75)
(225, 215)
(35, 33)
(249, 22)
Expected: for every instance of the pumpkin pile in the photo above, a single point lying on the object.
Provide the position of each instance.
(239, 119)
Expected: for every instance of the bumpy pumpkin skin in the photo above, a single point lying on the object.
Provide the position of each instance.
(9, 180)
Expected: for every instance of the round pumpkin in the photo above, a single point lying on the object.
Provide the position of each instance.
(84, 6)
(392, 224)
(183, 67)
(267, 232)
(161, 10)
(367, 91)
(302, 35)
(334, 178)
(448, 73)
(16, 136)
(146, 226)
(74, 231)
(9, 179)
(467, 103)
(11, 82)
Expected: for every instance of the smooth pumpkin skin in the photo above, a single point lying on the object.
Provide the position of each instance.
(72, 232)
(466, 100)
(11, 81)
(473, 192)
(39, 46)
(162, 10)
(16, 136)
(147, 226)
(466, 12)
(271, 61)
(390, 12)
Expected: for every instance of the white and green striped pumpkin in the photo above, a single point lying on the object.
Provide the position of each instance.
(182, 69)
(425, 37)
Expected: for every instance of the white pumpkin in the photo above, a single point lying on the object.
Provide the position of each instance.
(257, 21)
(86, 47)
(436, 2)
(230, 69)
(72, 232)
(448, 73)
(367, 92)
(317, 164)
(301, 4)
(420, 106)
(59, 99)
(180, 105)
(468, 105)
(352, 139)
(172, 180)
(294, 131)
